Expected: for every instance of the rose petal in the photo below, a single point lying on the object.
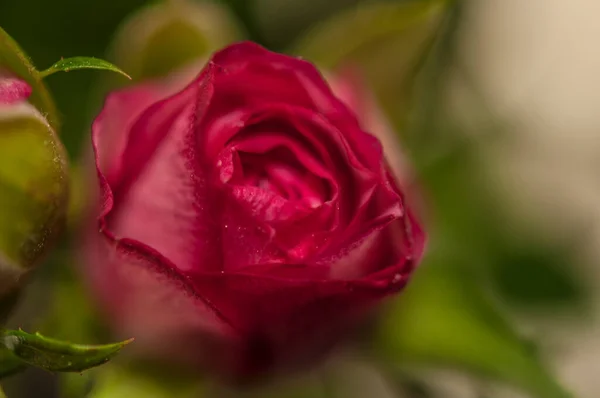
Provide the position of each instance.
(13, 90)
(145, 297)
(169, 205)
(304, 79)
(111, 128)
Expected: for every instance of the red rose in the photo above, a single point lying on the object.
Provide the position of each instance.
(246, 217)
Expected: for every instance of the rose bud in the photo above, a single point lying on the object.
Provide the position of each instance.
(143, 45)
(247, 220)
(33, 183)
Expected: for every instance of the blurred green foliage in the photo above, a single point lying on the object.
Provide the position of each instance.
(445, 319)
(386, 40)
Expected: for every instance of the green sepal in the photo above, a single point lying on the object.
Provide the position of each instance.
(56, 355)
(13, 58)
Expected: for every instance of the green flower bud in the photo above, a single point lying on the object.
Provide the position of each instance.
(33, 184)
(169, 35)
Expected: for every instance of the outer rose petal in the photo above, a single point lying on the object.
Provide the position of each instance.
(122, 108)
(278, 316)
(145, 297)
(110, 133)
(134, 279)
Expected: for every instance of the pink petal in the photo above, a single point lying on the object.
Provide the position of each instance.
(167, 204)
(288, 80)
(145, 297)
(13, 89)
(111, 128)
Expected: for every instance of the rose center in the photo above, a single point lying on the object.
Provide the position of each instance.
(279, 172)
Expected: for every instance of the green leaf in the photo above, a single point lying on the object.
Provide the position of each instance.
(134, 382)
(74, 63)
(558, 285)
(13, 58)
(444, 319)
(56, 355)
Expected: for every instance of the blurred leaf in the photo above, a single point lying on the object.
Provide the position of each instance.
(77, 385)
(415, 389)
(276, 23)
(74, 63)
(428, 87)
(56, 355)
(160, 56)
(335, 40)
(387, 40)
(534, 275)
(14, 59)
(130, 382)
(82, 322)
(9, 363)
(304, 385)
(444, 319)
